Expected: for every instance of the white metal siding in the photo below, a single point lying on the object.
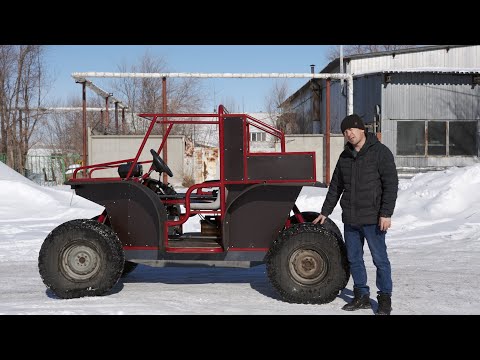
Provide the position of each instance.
(431, 97)
(459, 57)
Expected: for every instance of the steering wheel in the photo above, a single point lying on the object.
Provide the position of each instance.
(159, 164)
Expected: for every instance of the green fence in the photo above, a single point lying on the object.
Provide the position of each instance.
(47, 170)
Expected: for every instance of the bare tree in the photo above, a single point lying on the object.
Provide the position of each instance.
(22, 79)
(334, 51)
(278, 109)
(145, 94)
(230, 104)
(7, 65)
(62, 131)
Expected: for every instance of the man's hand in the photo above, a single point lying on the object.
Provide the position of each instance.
(384, 223)
(321, 218)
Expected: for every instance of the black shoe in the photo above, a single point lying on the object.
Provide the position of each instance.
(384, 304)
(358, 302)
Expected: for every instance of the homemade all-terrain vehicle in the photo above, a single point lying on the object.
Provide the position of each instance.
(248, 217)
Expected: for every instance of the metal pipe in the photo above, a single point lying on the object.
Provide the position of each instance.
(62, 108)
(164, 110)
(84, 125)
(107, 119)
(83, 75)
(123, 121)
(116, 117)
(341, 66)
(80, 76)
(98, 90)
(350, 96)
(327, 135)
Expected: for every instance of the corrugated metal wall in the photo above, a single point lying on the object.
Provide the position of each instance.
(303, 108)
(367, 93)
(428, 97)
(410, 96)
(338, 105)
(431, 97)
(460, 57)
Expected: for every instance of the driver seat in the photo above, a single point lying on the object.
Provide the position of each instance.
(212, 205)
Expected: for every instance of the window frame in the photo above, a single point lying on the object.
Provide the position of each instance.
(426, 140)
(255, 134)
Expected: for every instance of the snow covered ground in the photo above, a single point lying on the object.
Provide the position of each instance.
(434, 248)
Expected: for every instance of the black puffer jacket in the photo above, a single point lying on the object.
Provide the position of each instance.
(369, 183)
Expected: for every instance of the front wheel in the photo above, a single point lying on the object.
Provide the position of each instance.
(306, 265)
(81, 258)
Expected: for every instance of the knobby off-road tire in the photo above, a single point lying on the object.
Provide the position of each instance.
(307, 265)
(81, 258)
(309, 216)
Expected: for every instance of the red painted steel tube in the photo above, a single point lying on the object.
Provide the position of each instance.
(147, 135)
(116, 117)
(164, 109)
(327, 135)
(84, 124)
(244, 150)
(221, 141)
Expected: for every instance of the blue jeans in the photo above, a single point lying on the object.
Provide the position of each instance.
(355, 236)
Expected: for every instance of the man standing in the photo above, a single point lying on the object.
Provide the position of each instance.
(366, 179)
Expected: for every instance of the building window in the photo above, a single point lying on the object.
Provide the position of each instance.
(437, 138)
(411, 138)
(461, 136)
(258, 136)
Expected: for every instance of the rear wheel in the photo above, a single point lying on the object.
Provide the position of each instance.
(81, 258)
(329, 225)
(307, 265)
(309, 216)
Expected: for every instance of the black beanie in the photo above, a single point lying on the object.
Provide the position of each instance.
(352, 121)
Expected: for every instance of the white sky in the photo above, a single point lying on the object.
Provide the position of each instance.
(434, 248)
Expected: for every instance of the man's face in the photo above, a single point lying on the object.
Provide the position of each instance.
(354, 135)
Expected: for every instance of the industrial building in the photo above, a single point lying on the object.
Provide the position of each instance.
(423, 102)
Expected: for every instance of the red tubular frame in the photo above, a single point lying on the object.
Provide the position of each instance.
(164, 119)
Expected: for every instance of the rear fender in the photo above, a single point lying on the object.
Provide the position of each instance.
(257, 214)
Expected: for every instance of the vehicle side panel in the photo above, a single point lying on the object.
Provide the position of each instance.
(281, 167)
(134, 211)
(233, 128)
(256, 216)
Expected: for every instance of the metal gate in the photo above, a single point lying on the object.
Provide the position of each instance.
(45, 170)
